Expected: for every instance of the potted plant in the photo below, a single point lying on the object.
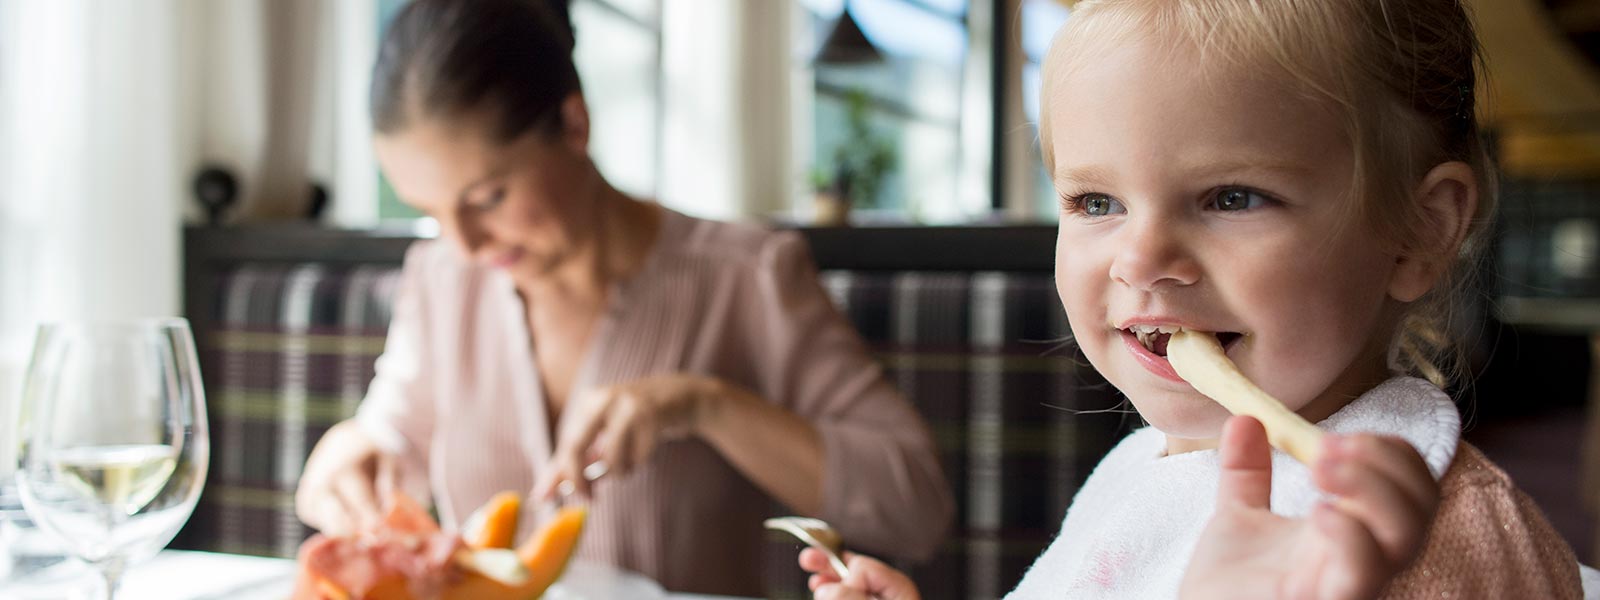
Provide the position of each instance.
(858, 167)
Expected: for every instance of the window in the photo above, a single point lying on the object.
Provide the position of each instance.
(389, 205)
(952, 95)
(908, 95)
(619, 62)
(1040, 20)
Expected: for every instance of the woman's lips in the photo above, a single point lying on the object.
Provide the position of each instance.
(506, 259)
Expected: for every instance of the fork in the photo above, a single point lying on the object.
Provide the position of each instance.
(591, 472)
(815, 533)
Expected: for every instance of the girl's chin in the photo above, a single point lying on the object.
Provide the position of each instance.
(1188, 416)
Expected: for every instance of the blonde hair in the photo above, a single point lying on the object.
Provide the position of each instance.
(1400, 76)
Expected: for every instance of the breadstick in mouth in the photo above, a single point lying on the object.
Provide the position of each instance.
(1198, 358)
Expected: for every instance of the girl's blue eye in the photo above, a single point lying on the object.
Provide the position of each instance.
(1099, 205)
(1237, 199)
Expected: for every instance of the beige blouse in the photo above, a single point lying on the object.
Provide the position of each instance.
(457, 395)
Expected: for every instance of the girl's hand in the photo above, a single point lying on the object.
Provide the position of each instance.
(339, 491)
(622, 424)
(869, 578)
(1348, 548)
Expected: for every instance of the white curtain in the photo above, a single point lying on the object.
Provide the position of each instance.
(94, 151)
(108, 108)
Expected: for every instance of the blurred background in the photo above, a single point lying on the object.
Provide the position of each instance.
(152, 151)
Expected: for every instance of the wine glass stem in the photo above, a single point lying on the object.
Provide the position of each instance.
(111, 575)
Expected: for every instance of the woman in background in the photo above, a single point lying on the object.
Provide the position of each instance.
(565, 322)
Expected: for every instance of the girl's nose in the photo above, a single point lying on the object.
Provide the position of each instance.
(1153, 255)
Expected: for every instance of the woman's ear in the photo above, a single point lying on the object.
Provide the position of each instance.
(1448, 197)
(575, 123)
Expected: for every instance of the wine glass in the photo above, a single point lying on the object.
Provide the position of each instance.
(114, 445)
(32, 563)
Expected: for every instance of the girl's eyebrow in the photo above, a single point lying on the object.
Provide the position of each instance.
(1088, 175)
(1099, 176)
(1251, 165)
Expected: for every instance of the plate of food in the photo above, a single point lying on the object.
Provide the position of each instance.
(410, 557)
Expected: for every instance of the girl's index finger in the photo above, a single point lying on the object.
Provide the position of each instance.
(814, 561)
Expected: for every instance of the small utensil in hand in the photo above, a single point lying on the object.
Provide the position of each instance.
(817, 534)
(593, 471)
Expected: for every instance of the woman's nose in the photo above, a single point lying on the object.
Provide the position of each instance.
(1153, 254)
(469, 235)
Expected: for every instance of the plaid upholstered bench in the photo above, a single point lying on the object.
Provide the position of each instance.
(966, 320)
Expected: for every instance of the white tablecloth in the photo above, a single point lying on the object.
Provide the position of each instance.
(183, 575)
(204, 575)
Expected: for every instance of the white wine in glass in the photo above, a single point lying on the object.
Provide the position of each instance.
(114, 446)
(124, 477)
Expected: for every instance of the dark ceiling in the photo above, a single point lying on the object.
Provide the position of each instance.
(1580, 20)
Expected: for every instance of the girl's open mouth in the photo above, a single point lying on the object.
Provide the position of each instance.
(1148, 344)
(1154, 338)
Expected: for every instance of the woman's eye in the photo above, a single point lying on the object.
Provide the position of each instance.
(489, 200)
(1237, 199)
(1099, 205)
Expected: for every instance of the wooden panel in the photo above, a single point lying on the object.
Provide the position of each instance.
(1541, 91)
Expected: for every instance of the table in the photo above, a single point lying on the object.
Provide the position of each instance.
(186, 575)
(205, 576)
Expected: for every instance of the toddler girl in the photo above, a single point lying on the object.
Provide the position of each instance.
(1306, 181)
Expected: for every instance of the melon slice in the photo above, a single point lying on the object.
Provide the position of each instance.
(494, 525)
(383, 565)
(546, 555)
(548, 551)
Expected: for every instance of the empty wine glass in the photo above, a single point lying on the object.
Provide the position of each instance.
(114, 445)
(33, 564)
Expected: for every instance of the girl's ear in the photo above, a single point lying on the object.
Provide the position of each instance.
(1448, 196)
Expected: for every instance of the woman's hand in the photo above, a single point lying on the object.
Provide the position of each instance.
(1385, 500)
(340, 491)
(622, 424)
(869, 578)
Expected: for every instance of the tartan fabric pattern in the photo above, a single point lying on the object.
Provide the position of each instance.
(1019, 421)
(291, 354)
(978, 354)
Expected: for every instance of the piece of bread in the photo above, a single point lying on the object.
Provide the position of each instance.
(1199, 359)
